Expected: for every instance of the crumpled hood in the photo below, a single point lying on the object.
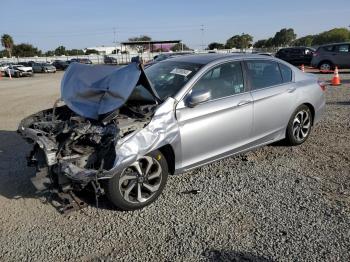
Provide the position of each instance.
(92, 90)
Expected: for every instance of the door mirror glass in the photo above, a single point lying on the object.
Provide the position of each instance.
(197, 96)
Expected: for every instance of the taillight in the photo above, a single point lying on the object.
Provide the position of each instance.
(322, 85)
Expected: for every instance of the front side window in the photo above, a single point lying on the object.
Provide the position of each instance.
(329, 48)
(222, 81)
(264, 73)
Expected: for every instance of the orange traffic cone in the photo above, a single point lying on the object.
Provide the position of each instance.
(336, 78)
(302, 68)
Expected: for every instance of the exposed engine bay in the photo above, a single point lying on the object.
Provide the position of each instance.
(72, 151)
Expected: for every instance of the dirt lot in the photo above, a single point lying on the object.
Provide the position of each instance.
(276, 203)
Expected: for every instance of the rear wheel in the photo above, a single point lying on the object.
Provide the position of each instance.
(325, 66)
(140, 184)
(299, 126)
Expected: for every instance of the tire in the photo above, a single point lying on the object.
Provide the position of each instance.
(325, 66)
(17, 74)
(299, 126)
(123, 189)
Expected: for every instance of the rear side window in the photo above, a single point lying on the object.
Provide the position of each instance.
(286, 73)
(343, 48)
(296, 51)
(264, 73)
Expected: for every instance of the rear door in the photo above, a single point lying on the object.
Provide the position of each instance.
(273, 93)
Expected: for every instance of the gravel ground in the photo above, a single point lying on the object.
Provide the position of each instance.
(274, 204)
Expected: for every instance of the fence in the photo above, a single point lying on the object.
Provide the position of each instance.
(121, 58)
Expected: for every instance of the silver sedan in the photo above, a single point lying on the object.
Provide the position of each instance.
(125, 130)
(222, 105)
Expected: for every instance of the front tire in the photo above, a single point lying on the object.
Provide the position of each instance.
(140, 184)
(299, 126)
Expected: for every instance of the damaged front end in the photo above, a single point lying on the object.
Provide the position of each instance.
(75, 143)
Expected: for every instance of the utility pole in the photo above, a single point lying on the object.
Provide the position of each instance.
(202, 29)
(114, 39)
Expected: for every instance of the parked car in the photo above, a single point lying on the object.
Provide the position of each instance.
(19, 70)
(81, 60)
(110, 60)
(165, 56)
(171, 117)
(263, 53)
(3, 66)
(43, 68)
(328, 56)
(60, 65)
(296, 55)
(39, 67)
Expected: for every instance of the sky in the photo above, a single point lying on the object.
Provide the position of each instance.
(87, 23)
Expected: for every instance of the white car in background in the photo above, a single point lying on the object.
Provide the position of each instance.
(19, 70)
(3, 67)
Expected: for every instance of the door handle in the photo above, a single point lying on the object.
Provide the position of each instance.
(242, 103)
(291, 90)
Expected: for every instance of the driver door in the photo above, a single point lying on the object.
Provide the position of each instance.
(220, 126)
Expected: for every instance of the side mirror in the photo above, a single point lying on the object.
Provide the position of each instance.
(197, 97)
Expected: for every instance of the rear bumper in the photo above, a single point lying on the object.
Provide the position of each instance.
(320, 110)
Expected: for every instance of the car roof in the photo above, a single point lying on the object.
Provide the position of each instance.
(342, 43)
(207, 58)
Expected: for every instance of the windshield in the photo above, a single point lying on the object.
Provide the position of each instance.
(168, 77)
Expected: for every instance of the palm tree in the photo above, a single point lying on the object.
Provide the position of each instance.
(7, 42)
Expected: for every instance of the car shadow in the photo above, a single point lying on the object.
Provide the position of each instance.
(339, 103)
(15, 175)
(219, 255)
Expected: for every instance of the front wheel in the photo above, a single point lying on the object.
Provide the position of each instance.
(299, 126)
(140, 184)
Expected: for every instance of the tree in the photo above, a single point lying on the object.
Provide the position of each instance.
(179, 47)
(61, 50)
(304, 41)
(332, 36)
(26, 50)
(284, 37)
(3, 53)
(215, 45)
(7, 43)
(73, 52)
(140, 48)
(242, 41)
(91, 51)
(140, 38)
(270, 42)
(49, 53)
(260, 43)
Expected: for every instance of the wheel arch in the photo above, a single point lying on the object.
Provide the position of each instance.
(325, 60)
(169, 154)
(312, 109)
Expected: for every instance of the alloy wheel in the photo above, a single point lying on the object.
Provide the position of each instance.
(140, 181)
(325, 67)
(301, 125)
